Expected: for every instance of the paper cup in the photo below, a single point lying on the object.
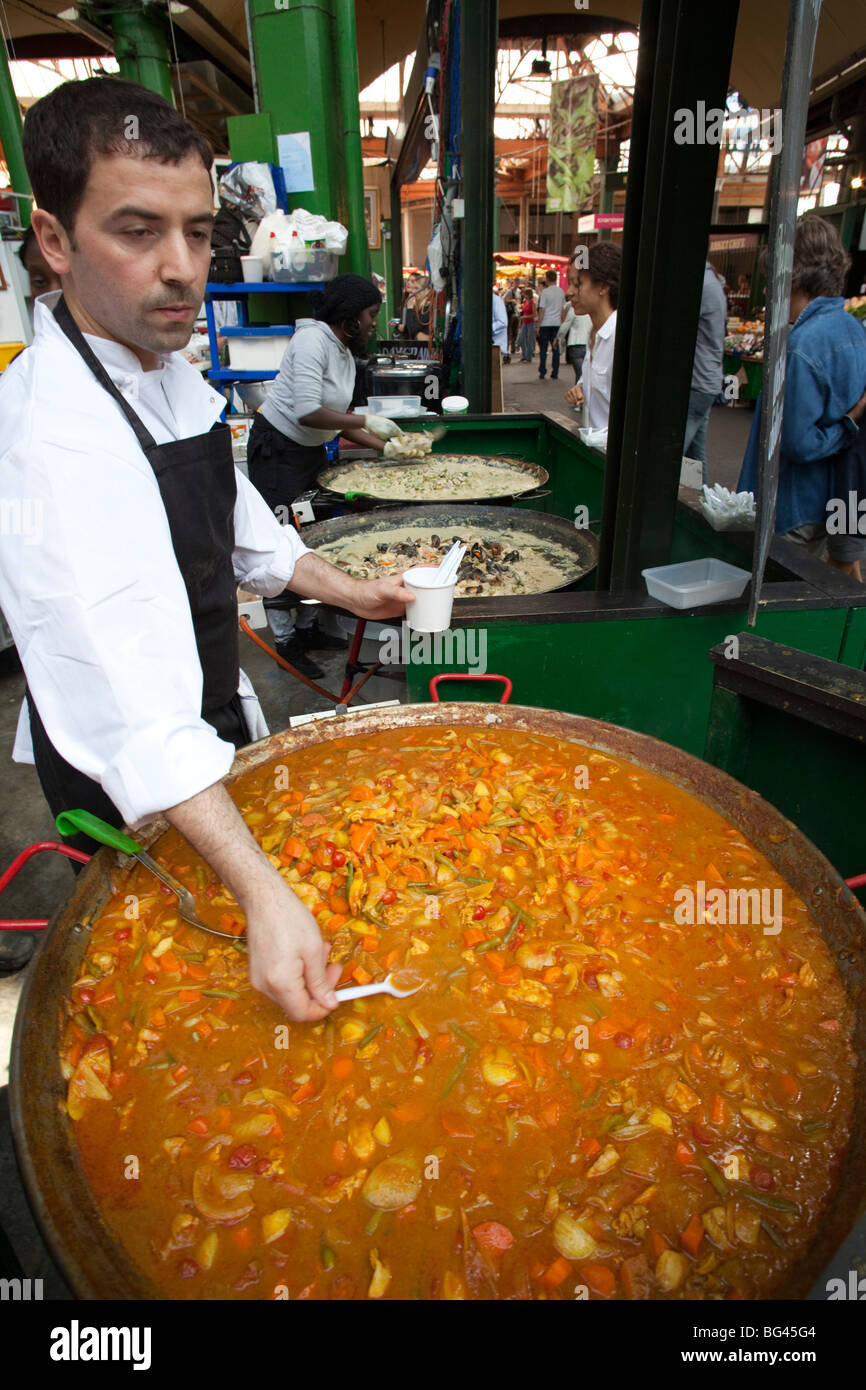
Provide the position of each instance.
(431, 611)
(252, 269)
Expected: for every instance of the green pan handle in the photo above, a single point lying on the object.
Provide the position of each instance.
(68, 822)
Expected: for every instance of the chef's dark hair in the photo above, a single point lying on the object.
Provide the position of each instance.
(344, 299)
(65, 130)
(603, 266)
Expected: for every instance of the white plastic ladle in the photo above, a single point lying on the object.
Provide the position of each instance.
(385, 986)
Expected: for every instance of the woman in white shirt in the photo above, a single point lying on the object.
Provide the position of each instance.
(595, 291)
(306, 407)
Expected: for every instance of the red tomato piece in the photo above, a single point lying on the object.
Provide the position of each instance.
(493, 1237)
(242, 1157)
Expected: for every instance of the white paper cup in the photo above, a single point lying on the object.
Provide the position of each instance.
(252, 267)
(431, 611)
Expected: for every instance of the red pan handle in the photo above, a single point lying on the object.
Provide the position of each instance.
(449, 676)
(19, 862)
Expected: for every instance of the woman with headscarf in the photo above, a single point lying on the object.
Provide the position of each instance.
(306, 407)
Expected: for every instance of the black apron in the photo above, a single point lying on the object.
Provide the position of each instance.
(196, 479)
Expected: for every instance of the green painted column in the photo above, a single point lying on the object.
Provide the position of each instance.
(141, 47)
(10, 137)
(479, 20)
(353, 158)
(295, 54)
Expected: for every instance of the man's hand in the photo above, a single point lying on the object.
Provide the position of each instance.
(575, 396)
(849, 567)
(288, 958)
(287, 954)
(381, 598)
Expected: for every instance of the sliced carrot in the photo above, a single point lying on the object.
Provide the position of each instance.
(189, 996)
(361, 793)
(199, 1125)
(718, 1110)
(157, 1018)
(361, 976)
(362, 836)
(150, 963)
(303, 1092)
(203, 1028)
(512, 976)
(473, 936)
(550, 1115)
(590, 1147)
(442, 1041)
(197, 971)
(312, 818)
(339, 1151)
(605, 1029)
(337, 903)
(600, 1279)
(556, 1273)
(692, 1236)
(242, 1237)
(712, 872)
(684, 1154)
(391, 959)
(512, 1027)
(659, 1244)
(495, 959)
(293, 849)
(342, 1067)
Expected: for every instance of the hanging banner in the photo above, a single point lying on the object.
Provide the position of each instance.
(784, 195)
(571, 148)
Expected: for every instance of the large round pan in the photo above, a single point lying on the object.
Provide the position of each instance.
(95, 1264)
(529, 481)
(511, 524)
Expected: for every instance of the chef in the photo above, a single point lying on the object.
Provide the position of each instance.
(121, 590)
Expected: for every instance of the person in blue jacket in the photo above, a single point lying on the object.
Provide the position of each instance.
(825, 397)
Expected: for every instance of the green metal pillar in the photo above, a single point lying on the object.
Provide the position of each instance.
(479, 21)
(141, 46)
(350, 83)
(294, 49)
(10, 138)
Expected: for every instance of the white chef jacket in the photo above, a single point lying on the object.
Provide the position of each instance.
(500, 325)
(89, 582)
(596, 374)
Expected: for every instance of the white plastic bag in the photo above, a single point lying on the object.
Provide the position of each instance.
(249, 187)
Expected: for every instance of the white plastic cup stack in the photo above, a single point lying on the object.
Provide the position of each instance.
(433, 588)
(252, 267)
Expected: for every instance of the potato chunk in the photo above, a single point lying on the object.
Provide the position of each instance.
(392, 1184)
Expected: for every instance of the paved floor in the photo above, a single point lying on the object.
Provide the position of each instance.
(728, 428)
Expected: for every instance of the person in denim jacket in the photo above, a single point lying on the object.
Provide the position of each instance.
(825, 397)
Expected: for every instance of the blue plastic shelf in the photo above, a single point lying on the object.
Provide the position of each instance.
(261, 330)
(263, 287)
(234, 374)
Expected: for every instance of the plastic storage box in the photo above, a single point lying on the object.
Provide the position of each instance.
(394, 405)
(254, 349)
(319, 265)
(696, 582)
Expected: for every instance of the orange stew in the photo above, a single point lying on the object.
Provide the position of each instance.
(589, 1097)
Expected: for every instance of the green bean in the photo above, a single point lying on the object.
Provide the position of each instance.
(221, 993)
(813, 1126)
(463, 1035)
(764, 1199)
(775, 1234)
(83, 1022)
(403, 1025)
(373, 1223)
(491, 945)
(368, 1037)
(593, 1008)
(511, 930)
(657, 1004)
(136, 959)
(224, 1098)
(95, 1017)
(350, 877)
(200, 877)
(715, 1175)
(527, 917)
(590, 1100)
(456, 1074)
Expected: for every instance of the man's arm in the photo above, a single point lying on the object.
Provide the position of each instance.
(287, 955)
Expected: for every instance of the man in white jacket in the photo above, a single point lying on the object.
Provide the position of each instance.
(122, 600)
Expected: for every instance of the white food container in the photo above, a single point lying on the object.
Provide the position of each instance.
(253, 269)
(392, 406)
(431, 611)
(319, 265)
(696, 582)
(455, 405)
(250, 354)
